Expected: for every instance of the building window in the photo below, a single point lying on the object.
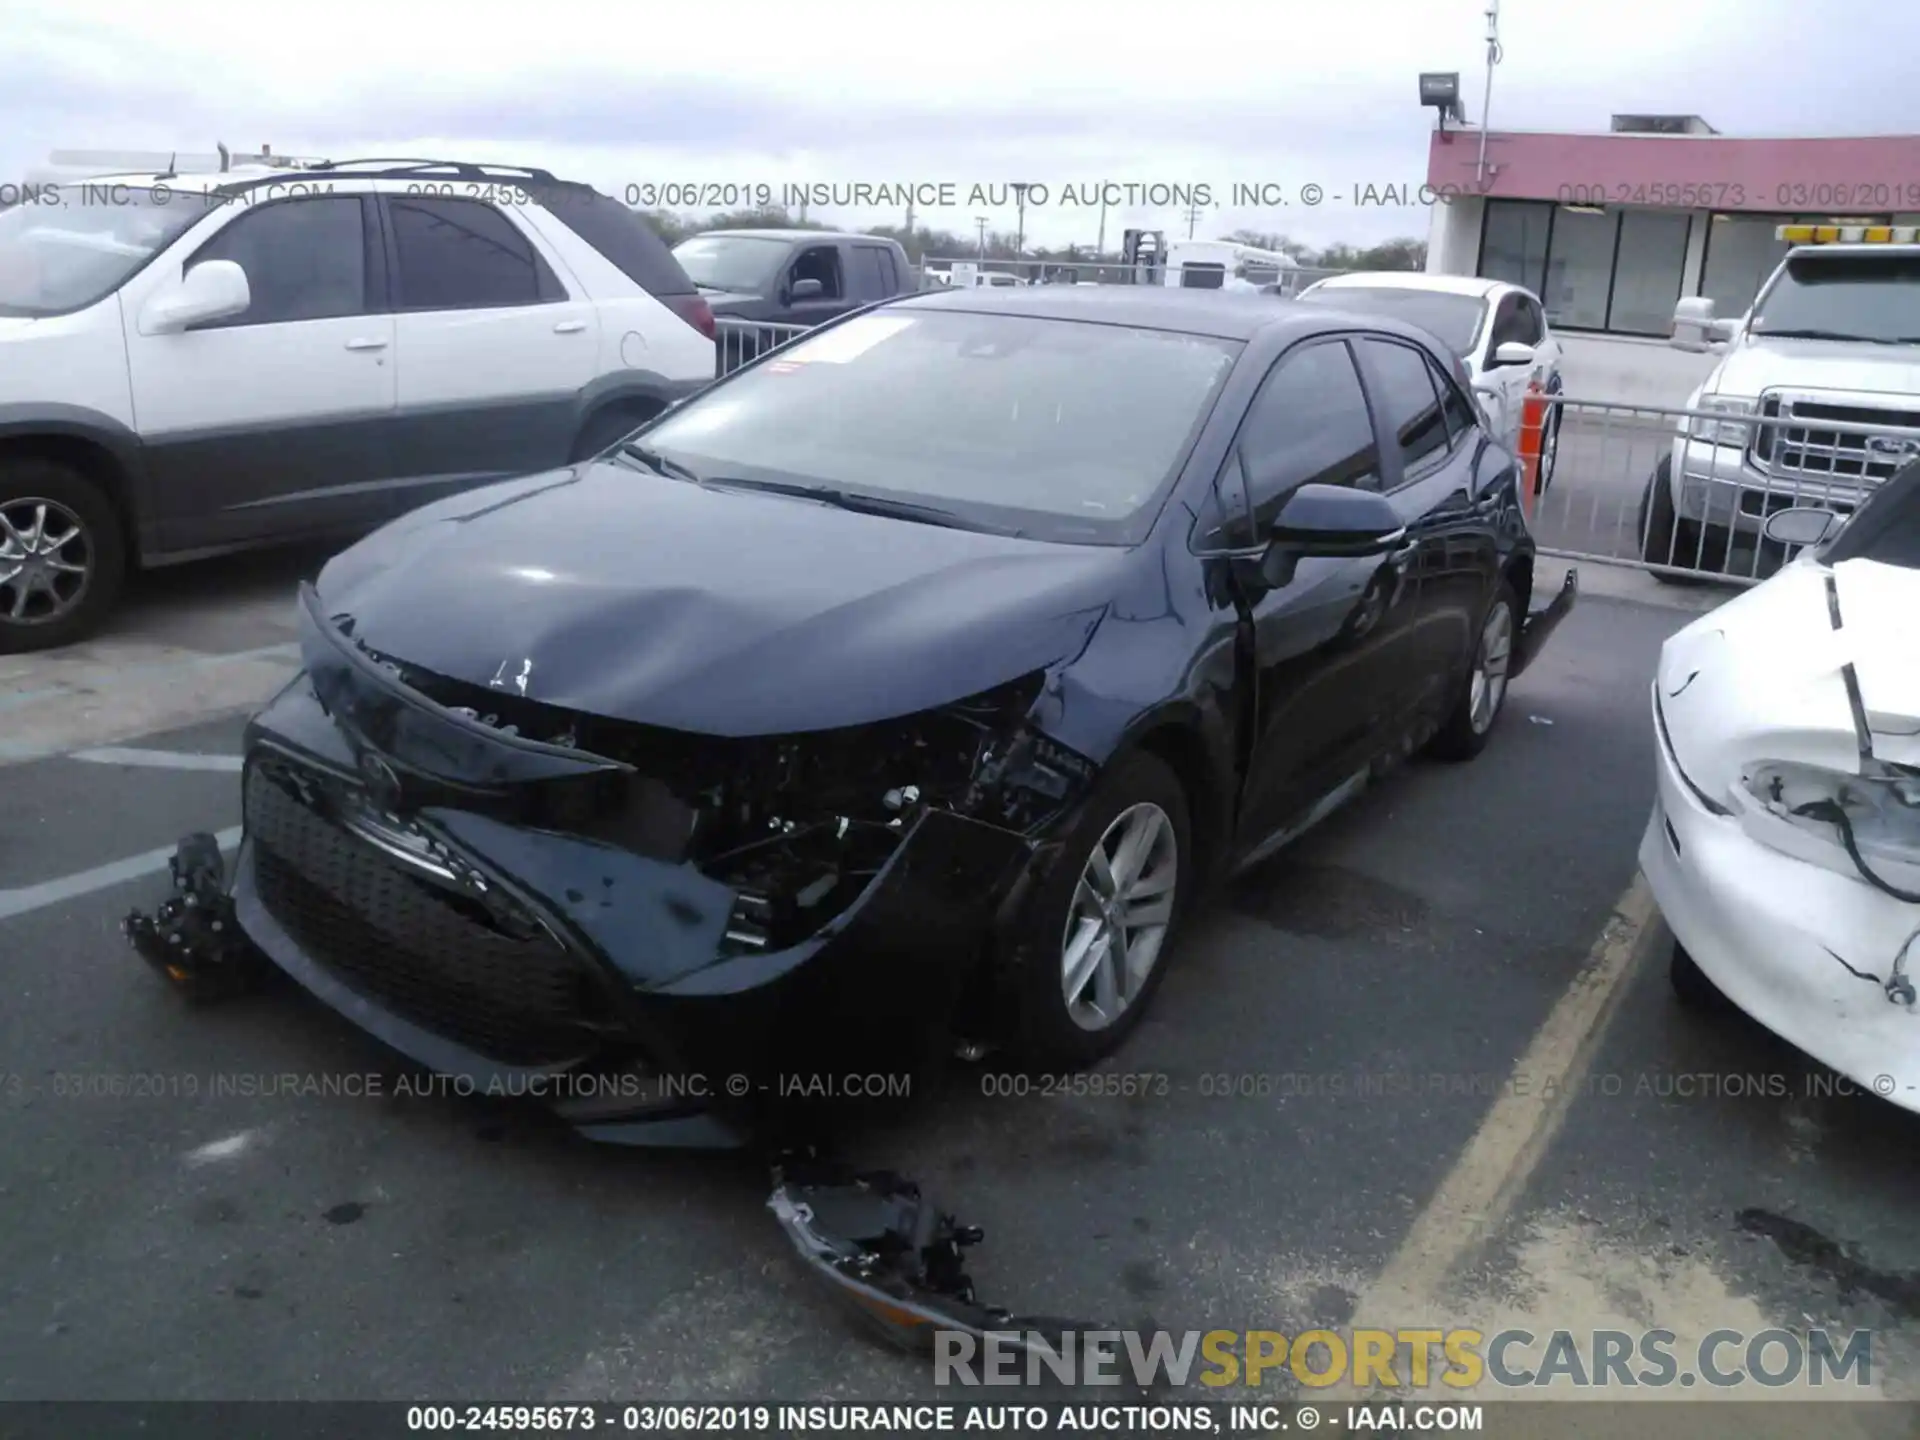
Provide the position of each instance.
(1593, 268)
(1647, 274)
(1513, 243)
(1579, 268)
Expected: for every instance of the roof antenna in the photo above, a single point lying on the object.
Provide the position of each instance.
(171, 172)
(224, 156)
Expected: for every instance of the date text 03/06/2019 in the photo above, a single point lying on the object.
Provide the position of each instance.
(1100, 1418)
(1079, 195)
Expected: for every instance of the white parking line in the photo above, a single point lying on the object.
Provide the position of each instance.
(160, 759)
(101, 877)
(1493, 1170)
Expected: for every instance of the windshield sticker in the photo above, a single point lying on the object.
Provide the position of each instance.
(847, 342)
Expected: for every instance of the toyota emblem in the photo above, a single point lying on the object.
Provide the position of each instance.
(1894, 445)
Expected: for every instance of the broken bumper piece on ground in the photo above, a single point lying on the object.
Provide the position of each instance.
(895, 1261)
(192, 938)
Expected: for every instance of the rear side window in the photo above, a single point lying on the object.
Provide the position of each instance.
(465, 255)
(872, 272)
(623, 239)
(1408, 404)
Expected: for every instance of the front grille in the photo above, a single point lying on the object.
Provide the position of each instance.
(429, 953)
(1796, 448)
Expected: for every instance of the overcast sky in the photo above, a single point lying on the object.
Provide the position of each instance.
(842, 92)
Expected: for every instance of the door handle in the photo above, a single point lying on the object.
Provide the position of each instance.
(569, 327)
(366, 344)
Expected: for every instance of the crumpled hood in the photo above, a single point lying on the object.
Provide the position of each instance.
(1803, 365)
(1760, 677)
(707, 610)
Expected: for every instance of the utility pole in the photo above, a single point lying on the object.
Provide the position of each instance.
(980, 221)
(1100, 249)
(1486, 103)
(1193, 219)
(1020, 188)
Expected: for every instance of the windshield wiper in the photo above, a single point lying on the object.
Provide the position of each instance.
(851, 500)
(658, 463)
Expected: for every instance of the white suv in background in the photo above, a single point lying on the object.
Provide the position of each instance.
(191, 364)
(1499, 331)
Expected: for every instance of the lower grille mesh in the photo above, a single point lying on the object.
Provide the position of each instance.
(430, 955)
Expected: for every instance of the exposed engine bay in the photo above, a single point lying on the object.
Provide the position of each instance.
(798, 824)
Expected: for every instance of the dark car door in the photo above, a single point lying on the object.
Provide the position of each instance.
(1325, 644)
(1430, 442)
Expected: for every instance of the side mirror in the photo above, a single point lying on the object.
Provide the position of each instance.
(807, 290)
(1512, 352)
(1694, 325)
(1336, 520)
(211, 290)
(1801, 525)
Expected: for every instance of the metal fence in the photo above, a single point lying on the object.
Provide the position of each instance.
(735, 342)
(1686, 493)
(934, 273)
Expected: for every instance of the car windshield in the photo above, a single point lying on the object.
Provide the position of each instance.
(1056, 429)
(1843, 297)
(731, 262)
(1886, 527)
(63, 247)
(1452, 319)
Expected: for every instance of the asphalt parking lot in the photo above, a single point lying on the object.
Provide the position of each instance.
(187, 1219)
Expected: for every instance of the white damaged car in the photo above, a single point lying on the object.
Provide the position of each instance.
(1784, 846)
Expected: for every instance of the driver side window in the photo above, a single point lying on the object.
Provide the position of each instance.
(821, 263)
(1308, 424)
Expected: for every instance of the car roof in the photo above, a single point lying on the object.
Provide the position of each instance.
(1220, 314)
(1413, 280)
(798, 234)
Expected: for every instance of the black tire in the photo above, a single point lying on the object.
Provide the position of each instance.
(1550, 452)
(1692, 987)
(1046, 1036)
(1460, 737)
(78, 606)
(604, 427)
(1666, 539)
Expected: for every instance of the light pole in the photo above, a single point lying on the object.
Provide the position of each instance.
(1020, 188)
(980, 221)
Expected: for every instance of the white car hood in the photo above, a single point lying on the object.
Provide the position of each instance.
(1760, 678)
(1750, 368)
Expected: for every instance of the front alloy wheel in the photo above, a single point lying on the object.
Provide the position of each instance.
(1119, 917)
(46, 561)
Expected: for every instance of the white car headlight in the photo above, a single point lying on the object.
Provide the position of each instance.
(1716, 432)
(1874, 819)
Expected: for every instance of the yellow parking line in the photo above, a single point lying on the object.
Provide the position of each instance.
(1494, 1168)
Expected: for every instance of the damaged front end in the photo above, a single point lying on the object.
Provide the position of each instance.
(640, 925)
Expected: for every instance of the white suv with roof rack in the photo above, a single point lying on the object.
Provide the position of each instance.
(192, 363)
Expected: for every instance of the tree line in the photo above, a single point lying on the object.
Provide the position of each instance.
(922, 243)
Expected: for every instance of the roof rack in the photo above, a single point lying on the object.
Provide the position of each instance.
(414, 165)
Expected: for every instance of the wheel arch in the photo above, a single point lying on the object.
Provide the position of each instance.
(102, 451)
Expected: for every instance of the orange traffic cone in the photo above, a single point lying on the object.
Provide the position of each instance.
(1533, 424)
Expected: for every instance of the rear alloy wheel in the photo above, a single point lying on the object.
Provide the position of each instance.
(1094, 938)
(61, 556)
(1484, 696)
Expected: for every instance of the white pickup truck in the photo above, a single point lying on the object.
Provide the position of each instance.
(1832, 339)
